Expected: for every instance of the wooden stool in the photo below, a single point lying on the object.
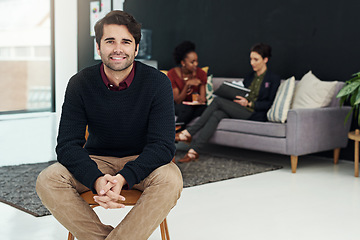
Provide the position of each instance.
(131, 197)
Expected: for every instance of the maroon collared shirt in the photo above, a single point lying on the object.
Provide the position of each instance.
(123, 85)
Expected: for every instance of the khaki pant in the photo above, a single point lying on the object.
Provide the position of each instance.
(59, 191)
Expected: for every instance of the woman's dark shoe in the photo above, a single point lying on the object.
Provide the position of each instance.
(189, 157)
(181, 137)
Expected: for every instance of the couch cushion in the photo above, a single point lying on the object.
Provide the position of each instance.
(311, 92)
(281, 105)
(269, 129)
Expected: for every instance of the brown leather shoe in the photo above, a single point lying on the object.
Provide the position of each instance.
(187, 158)
(178, 139)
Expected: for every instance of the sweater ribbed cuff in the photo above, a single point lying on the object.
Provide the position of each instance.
(91, 177)
(129, 177)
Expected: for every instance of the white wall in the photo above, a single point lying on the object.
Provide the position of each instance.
(65, 47)
(31, 138)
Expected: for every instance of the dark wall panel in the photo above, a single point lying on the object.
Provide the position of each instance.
(305, 35)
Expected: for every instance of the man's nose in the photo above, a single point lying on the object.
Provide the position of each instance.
(117, 48)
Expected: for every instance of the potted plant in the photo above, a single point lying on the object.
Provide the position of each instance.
(351, 93)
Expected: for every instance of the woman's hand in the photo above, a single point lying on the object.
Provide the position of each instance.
(193, 82)
(242, 101)
(202, 99)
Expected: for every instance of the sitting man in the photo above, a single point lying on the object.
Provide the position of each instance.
(128, 108)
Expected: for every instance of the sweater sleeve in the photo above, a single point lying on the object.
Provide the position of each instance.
(160, 147)
(71, 138)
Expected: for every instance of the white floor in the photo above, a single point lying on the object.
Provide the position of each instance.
(320, 201)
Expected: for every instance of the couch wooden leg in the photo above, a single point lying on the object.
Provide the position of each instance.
(294, 161)
(336, 155)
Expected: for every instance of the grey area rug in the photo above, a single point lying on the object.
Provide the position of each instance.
(17, 187)
(213, 168)
(17, 183)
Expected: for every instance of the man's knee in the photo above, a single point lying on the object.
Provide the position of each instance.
(175, 177)
(170, 178)
(49, 176)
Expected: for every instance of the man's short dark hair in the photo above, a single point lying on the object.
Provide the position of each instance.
(263, 49)
(120, 18)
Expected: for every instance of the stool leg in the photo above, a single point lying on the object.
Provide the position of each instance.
(164, 230)
(70, 236)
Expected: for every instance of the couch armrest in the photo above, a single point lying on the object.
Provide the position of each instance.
(316, 130)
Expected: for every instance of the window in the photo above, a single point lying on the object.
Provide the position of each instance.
(26, 77)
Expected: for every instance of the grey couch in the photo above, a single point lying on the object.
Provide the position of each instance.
(306, 131)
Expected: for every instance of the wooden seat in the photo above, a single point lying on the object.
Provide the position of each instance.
(131, 197)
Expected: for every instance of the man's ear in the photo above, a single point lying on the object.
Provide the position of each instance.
(98, 49)
(137, 49)
(266, 60)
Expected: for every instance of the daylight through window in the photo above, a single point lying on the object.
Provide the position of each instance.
(25, 56)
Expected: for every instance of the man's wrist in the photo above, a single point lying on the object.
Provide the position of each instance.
(98, 185)
(122, 180)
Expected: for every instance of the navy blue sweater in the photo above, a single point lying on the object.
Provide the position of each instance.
(136, 121)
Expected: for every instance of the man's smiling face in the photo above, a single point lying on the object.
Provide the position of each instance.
(117, 47)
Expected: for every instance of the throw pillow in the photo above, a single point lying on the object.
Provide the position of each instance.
(209, 90)
(281, 105)
(205, 69)
(311, 92)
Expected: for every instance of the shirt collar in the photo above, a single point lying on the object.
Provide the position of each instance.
(261, 76)
(123, 85)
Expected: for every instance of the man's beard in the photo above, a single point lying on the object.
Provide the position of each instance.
(118, 67)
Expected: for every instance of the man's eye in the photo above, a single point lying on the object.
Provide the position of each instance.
(110, 42)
